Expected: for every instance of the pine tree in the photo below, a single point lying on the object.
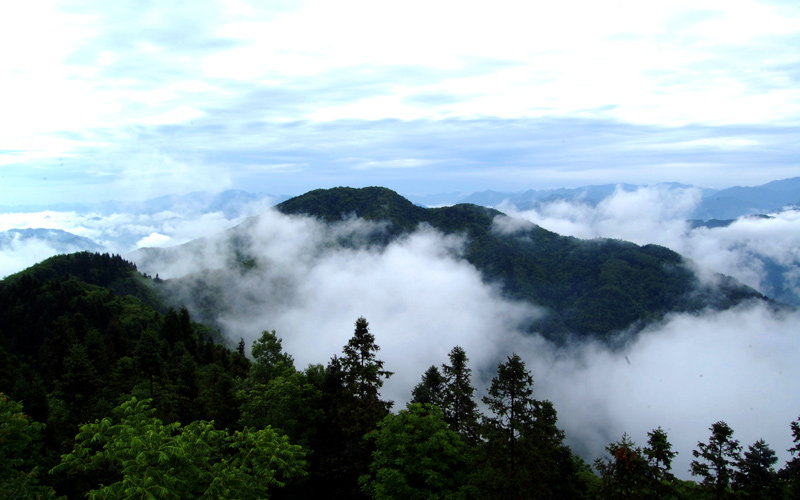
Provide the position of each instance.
(458, 405)
(431, 389)
(756, 477)
(718, 459)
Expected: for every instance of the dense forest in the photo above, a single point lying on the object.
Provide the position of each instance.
(109, 393)
(594, 289)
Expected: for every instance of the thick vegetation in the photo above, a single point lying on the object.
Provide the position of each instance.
(103, 396)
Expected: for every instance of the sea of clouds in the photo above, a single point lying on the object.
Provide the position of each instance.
(421, 299)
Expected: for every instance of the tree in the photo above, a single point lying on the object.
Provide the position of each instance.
(152, 460)
(417, 456)
(756, 477)
(790, 473)
(718, 459)
(659, 458)
(352, 400)
(626, 474)
(460, 409)
(18, 477)
(510, 400)
(431, 389)
(363, 377)
(270, 360)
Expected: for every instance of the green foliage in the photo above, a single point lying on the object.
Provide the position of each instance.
(431, 389)
(790, 473)
(417, 456)
(756, 476)
(627, 474)
(151, 459)
(718, 459)
(458, 405)
(270, 360)
(19, 478)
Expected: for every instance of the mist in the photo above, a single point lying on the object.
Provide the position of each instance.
(421, 299)
(760, 251)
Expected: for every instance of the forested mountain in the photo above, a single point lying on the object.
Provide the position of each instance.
(139, 401)
(589, 287)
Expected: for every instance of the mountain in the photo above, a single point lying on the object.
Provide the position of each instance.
(737, 201)
(232, 203)
(60, 241)
(728, 203)
(590, 288)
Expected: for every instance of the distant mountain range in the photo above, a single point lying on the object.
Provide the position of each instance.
(61, 241)
(728, 203)
(230, 202)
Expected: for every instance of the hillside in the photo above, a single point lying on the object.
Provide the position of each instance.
(590, 288)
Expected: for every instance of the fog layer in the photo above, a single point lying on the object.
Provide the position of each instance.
(421, 299)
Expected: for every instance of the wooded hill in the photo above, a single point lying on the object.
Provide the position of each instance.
(590, 288)
(139, 401)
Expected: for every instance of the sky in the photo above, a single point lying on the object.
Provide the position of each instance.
(131, 100)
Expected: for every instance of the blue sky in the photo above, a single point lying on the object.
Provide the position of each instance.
(131, 100)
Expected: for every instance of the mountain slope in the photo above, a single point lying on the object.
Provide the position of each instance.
(590, 288)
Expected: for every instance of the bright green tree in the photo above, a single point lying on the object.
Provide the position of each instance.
(417, 456)
(270, 359)
(154, 460)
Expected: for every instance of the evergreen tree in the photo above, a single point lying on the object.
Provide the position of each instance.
(270, 359)
(756, 477)
(458, 405)
(718, 459)
(511, 402)
(356, 379)
(626, 475)
(790, 473)
(659, 458)
(431, 389)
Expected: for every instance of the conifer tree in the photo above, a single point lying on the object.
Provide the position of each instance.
(431, 389)
(718, 459)
(458, 405)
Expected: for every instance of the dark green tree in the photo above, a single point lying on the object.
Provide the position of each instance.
(431, 389)
(659, 458)
(19, 478)
(790, 473)
(510, 400)
(458, 404)
(718, 459)
(626, 475)
(756, 476)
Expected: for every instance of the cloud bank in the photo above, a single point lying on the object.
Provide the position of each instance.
(421, 299)
(762, 252)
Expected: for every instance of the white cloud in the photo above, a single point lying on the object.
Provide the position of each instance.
(421, 299)
(659, 215)
(737, 366)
